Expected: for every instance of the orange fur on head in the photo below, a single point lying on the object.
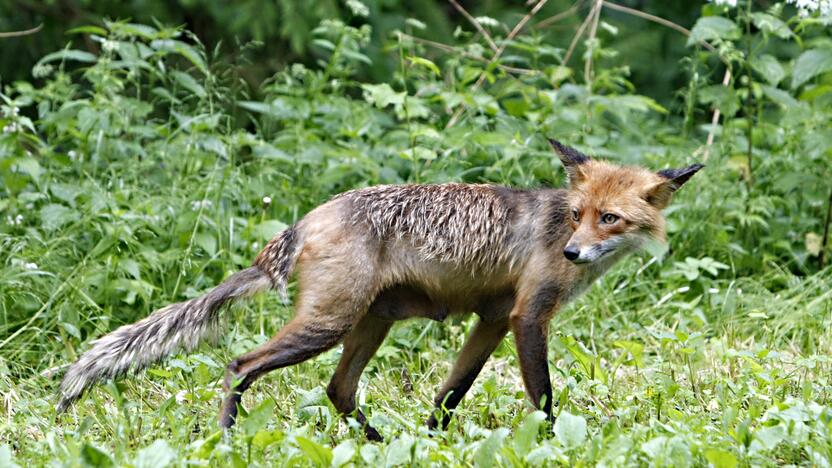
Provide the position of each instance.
(612, 206)
(623, 191)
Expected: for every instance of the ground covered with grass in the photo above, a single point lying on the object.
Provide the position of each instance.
(148, 172)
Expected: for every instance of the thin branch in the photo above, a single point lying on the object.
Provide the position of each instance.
(25, 32)
(648, 16)
(476, 24)
(519, 27)
(457, 50)
(593, 31)
(514, 32)
(726, 79)
(655, 19)
(556, 18)
(577, 37)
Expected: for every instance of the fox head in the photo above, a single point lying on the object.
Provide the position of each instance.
(614, 208)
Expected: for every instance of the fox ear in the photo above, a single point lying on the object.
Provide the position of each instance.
(571, 158)
(659, 194)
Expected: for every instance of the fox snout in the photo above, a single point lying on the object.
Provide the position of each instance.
(571, 252)
(579, 254)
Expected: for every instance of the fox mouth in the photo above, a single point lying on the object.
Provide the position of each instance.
(602, 250)
(594, 257)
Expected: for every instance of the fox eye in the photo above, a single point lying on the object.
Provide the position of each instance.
(575, 215)
(609, 218)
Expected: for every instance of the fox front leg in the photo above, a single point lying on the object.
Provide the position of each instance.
(530, 325)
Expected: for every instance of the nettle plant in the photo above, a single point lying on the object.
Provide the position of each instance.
(766, 72)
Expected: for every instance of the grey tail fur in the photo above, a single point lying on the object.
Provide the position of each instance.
(181, 325)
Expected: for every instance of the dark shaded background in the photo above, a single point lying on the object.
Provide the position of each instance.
(283, 29)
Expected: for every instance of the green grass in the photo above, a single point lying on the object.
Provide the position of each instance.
(651, 383)
(137, 179)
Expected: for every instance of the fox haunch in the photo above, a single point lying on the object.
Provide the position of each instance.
(373, 256)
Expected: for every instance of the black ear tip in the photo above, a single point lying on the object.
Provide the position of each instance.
(569, 154)
(681, 174)
(556, 144)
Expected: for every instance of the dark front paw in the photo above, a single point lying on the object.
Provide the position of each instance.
(435, 423)
(228, 411)
(372, 434)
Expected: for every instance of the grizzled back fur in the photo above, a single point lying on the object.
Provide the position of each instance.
(455, 223)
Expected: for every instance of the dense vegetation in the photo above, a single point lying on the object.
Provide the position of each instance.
(140, 166)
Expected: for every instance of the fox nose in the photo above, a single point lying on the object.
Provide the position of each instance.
(571, 253)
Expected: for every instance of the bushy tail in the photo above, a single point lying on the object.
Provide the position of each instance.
(181, 325)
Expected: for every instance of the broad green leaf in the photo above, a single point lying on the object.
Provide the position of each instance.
(425, 63)
(133, 29)
(634, 102)
(486, 455)
(526, 436)
(713, 27)
(131, 267)
(264, 438)
(491, 138)
(419, 153)
(29, 166)
(779, 97)
(188, 82)
(324, 44)
(183, 49)
(370, 453)
(207, 241)
(721, 97)
(343, 453)
(769, 67)
(769, 437)
(357, 56)
(53, 216)
(398, 452)
(590, 363)
(258, 417)
(94, 456)
(269, 228)
(214, 145)
(67, 54)
(811, 64)
(382, 95)
(315, 452)
(570, 430)
(721, 458)
(771, 25)
(202, 449)
(636, 350)
(157, 455)
(278, 108)
(415, 23)
(88, 30)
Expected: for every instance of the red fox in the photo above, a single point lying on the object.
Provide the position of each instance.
(372, 256)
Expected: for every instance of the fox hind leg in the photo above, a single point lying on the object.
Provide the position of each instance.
(298, 341)
(326, 312)
(396, 303)
(359, 347)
